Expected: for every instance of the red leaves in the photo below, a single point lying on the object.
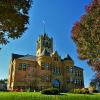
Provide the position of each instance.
(92, 6)
(88, 8)
(75, 30)
(86, 35)
(96, 63)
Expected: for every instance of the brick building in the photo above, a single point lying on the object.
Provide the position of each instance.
(46, 69)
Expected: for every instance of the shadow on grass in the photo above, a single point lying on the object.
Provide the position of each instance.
(54, 94)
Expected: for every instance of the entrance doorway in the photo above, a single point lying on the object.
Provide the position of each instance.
(56, 84)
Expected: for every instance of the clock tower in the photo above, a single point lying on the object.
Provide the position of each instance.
(44, 43)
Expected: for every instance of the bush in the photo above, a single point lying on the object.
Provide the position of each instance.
(78, 91)
(71, 91)
(92, 89)
(50, 91)
(85, 91)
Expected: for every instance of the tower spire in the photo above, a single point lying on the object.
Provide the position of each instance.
(43, 25)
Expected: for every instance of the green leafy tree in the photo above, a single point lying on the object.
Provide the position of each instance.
(95, 81)
(86, 35)
(3, 81)
(13, 19)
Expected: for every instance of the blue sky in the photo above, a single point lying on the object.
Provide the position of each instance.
(59, 16)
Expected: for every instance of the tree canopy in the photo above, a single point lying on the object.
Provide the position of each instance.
(13, 19)
(86, 35)
(95, 81)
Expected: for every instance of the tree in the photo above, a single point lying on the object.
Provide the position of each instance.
(3, 81)
(86, 35)
(13, 19)
(3, 84)
(95, 83)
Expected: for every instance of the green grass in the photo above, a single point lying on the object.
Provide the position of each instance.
(39, 96)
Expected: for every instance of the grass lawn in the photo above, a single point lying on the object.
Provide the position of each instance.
(39, 96)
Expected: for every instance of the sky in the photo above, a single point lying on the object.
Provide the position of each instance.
(59, 17)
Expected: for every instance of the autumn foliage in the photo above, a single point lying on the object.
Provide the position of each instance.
(86, 35)
(13, 19)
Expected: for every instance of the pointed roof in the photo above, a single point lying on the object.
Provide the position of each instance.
(68, 57)
(55, 53)
(45, 35)
(45, 52)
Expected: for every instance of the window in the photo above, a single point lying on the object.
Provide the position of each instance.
(53, 69)
(45, 78)
(28, 65)
(75, 73)
(29, 75)
(71, 69)
(55, 59)
(78, 73)
(42, 66)
(47, 65)
(75, 81)
(46, 44)
(42, 78)
(67, 69)
(80, 82)
(56, 70)
(71, 80)
(24, 67)
(20, 66)
(56, 83)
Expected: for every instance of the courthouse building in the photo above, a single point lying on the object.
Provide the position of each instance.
(45, 70)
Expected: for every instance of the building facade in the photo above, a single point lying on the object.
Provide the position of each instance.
(45, 70)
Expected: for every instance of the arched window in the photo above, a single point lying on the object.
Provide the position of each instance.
(56, 83)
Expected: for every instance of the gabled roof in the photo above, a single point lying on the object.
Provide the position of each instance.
(78, 67)
(15, 56)
(28, 57)
(24, 57)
